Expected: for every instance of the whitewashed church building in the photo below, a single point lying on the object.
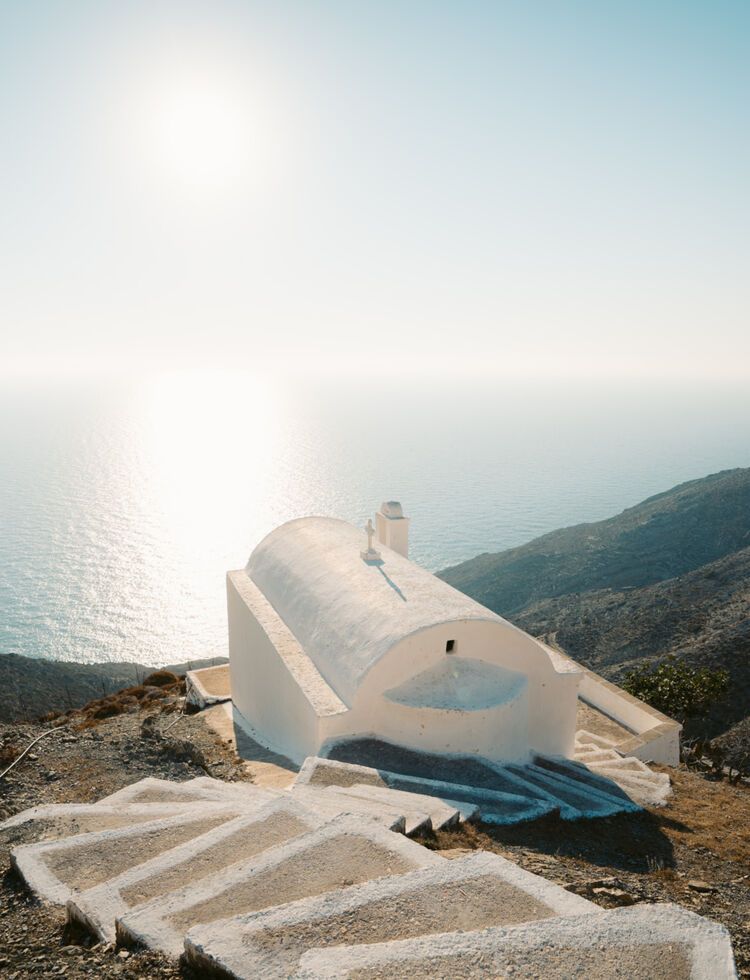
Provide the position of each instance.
(335, 635)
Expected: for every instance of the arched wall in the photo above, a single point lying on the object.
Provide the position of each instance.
(544, 720)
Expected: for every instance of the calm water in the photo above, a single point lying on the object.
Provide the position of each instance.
(121, 507)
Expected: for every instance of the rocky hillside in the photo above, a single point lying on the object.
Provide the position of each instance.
(702, 617)
(663, 537)
(30, 687)
(670, 575)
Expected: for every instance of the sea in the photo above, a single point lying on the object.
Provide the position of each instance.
(124, 502)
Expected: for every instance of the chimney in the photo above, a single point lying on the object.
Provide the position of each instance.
(393, 527)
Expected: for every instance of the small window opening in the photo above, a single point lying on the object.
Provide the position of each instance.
(450, 646)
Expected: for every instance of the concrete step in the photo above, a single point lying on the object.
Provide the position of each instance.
(581, 799)
(647, 776)
(473, 892)
(600, 741)
(53, 821)
(572, 790)
(317, 771)
(152, 790)
(589, 777)
(53, 870)
(632, 775)
(590, 754)
(237, 840)
(440, 814)
(415, 820)
(617, 761)
(641, 943)
(527, 803)
(328, 803)
(641, 789)
(420, 812)
(346, 851)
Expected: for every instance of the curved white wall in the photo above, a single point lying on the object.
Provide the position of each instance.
(542, 717)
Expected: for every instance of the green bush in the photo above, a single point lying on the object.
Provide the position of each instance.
(677, 689)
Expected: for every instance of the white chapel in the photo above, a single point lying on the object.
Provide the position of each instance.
(334, 633)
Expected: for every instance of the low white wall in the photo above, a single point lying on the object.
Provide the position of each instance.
(655, 738)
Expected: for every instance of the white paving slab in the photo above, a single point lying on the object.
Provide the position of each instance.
(54, 869)
(646, 942)
(52, 821)
(479, 890)
(328, 803)
(237, 840)
(440, 814)
(153, 790)
(348, 850)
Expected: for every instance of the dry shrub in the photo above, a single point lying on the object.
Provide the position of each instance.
(156, 687)
(50, 716)
(8, 752)
(107, 710)
(161, 678)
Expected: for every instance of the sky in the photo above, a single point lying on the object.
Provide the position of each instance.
(531, 189)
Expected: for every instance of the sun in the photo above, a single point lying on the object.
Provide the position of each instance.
(200, 133)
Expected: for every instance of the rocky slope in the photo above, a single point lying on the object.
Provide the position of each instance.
(702, 617)
(30, 687)
(663, 537)
(671, 575)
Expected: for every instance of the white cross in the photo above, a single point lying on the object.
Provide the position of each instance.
(370, 533)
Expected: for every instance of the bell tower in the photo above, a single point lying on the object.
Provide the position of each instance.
(393, 527)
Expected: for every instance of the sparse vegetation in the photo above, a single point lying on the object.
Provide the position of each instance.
(676, 688)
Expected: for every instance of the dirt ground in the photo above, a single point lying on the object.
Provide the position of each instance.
(695, 851)
(81, 765)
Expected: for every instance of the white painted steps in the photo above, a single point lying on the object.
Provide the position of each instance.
(648, 942)
(525, 803)
(54, 869)
(641, 783)
(241, 838)
(203, 788)
(472, 892)
(54, 821)
(344, 851)
(528, 792)
(330, 802)
(274, 884)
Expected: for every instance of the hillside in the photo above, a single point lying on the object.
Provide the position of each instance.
(30, 687)
(665, 536)
(670, 575)
(702, 617)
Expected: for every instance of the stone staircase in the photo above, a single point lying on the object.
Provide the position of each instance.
(313, 881)
(597, 782)
(598, 754)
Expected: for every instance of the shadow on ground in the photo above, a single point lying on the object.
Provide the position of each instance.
(632, 842)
